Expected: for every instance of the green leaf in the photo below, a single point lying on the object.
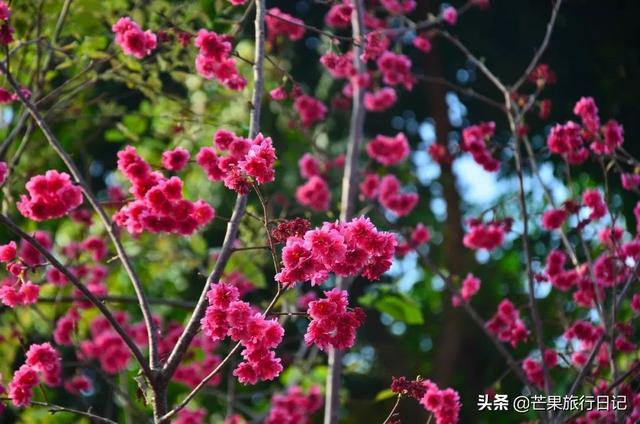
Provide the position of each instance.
(245, 264)
(400, 307)
(384, 395)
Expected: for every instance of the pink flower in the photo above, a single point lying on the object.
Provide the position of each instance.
(613, 137)
(339, 66)
(396, 69)
(8, 251)
(485, 236)
(422, 43)
(294, 406)
(280, 23)
(159, 205)
(339, 16)
(593, 200)
(310, 110)
(587, 110)
(377, 43)
(176, 159)
(5, 11)
(79, 385)
(315, 194)
(567, 140)
(398, 7)
(450, 15)
(507, 325)
(470, 286)
(553, 219)
(51, 195)
(420, 235)
(393, 199)
(389, 150)
(227, 316)
(196, 416)
(132, 39)
(309, 166)
(443, 404)
(346, 249)
(380, 100)
(369, 186)
(22, 384)
(46, 360)
(278, 94)
(474, 140)
(331, 324)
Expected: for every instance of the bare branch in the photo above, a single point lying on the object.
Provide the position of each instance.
(543, 46)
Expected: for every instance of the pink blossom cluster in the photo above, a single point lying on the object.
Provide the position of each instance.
(388, 192)
(543, 75)
(554, 218)
(444, 404)
(42, 362)
(226, 315)
(474, 141)
(396, 69)
(507, 325)
(6, 30)
(214, 61)
(560, 278)
(176, 159)
(159, 205)
(339, 15)
(339, 66)
(51, 195)
(310, 110)
(389, 150)
(398, 7)
(18, 292)
(65, 327)
(489, 235)
(534, 369)
(195, 416)
(420, 235)
(15, 290)
(294, 407)
(380, 100)
(132, 39)
(315, 192)
(593, 200)
(105, 345)
(587, 335)
(569, 139)
(440, 153)
(470, 286)
(422, 43)
(79, 385)
(246, 161)
(280, 23)
(377, 43)
(332, 324)
(344, 248)
(566, 140)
